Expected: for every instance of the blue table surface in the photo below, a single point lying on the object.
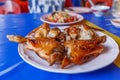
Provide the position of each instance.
(23, 24)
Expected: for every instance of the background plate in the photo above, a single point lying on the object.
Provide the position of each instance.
(78, 9)
(115, 23)
(80, 18)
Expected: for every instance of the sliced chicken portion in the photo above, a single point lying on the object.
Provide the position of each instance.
(79, 32)
(16, 38)
(80, 51)
(47, 48)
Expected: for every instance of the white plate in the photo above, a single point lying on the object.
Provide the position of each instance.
(117, 14)
(79, 9)
(115, 23)
(109, 54)
(80, 18)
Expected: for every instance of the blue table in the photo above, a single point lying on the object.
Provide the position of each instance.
(24, 23)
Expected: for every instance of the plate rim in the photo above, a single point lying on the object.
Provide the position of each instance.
(89, 10)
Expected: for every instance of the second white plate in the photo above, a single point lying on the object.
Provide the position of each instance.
(116, 22)
(79, 9)
(80, 18)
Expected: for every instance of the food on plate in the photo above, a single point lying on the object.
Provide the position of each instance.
(81, 51)
(75, 44)
(61, 17)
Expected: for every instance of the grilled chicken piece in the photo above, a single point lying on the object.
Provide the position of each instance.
(65, 62)
(90, 44)
(79, 55)
(72, 33)
(16, 38)
(61, 37)
(43, 25)
(47, 48)
(80, 51)
(42, 31)
(86, 33)
(79, 32)
(53, 33)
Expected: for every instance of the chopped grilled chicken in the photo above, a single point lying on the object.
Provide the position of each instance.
(73, 32)
(43, 25)
(54, 32)
(16, 38)
(86, 33)
(42, 32)
(76, 44)
(47, 48)
(79, 32)
(81, 51)
(61, 37)
(65, 62)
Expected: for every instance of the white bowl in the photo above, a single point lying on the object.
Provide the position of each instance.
(116, 14)
(99, 10)
(116, 22)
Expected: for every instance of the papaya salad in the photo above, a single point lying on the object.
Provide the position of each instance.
(61, 17)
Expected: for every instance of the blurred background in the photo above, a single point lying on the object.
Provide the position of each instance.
(29, 6)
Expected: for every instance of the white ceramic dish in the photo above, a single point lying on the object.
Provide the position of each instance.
(80, 18)
(79, 9)
(116, 22)
(99, 10)
(107, 57)
(117, 14)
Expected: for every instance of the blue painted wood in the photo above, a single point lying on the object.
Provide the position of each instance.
(22, 24)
